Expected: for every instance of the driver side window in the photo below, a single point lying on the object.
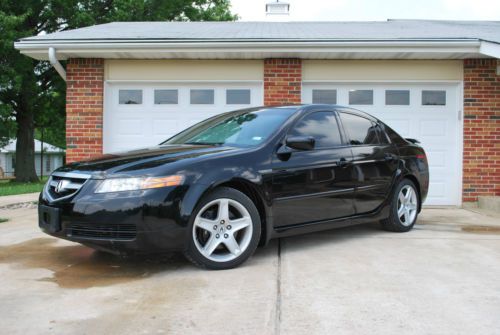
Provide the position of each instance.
(322, 126)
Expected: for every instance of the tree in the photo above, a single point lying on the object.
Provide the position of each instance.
(31, 92)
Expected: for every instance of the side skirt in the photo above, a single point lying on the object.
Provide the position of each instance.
(310, 227)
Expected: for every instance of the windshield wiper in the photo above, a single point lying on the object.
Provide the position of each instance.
(205, 143)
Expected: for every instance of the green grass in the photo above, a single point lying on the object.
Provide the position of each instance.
(2, 220)
(10, 187)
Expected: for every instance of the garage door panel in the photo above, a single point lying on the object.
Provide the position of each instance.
(436, 126)
(137, 123)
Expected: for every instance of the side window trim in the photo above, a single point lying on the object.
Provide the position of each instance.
(343, 139)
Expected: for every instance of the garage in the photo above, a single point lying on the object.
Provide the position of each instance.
(428, 112)
(132, 85)
(146, 114)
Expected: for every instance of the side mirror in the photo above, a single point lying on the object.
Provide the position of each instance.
(300, 142)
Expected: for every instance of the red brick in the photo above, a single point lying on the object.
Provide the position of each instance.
(282, 78)
(481, 159)
(84, 108)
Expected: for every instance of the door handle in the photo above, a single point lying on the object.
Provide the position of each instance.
(389, 157)
(342, 162)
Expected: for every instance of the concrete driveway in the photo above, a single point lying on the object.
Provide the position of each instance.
(441, 278)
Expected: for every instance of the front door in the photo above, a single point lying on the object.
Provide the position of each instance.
(313, 185)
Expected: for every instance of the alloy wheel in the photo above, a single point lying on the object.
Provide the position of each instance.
(222, 230)
(407, 205)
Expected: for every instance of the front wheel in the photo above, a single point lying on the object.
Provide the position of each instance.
(224, 231)
(404, 208)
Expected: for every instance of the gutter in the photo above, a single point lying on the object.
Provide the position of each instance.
(116, 48)
(56, 64)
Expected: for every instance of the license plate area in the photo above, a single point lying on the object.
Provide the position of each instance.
(49, 218)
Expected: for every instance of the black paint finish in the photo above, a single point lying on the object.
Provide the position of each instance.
(296, 191)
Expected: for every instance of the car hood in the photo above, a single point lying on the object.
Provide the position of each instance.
(129, 161)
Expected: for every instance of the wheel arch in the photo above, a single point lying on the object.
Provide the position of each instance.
(417, 185)
(251, 190)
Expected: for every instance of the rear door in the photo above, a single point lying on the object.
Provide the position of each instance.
(313, 185)
(375, 161)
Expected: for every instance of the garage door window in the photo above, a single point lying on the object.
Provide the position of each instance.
(360, 97)
(360, 130)
(397, 97)
(324, 97)
(166, 97)
(130, 97)
(202, 97)
(237, 97)
(434, 98)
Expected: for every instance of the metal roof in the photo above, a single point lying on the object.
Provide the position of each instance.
(125, 39)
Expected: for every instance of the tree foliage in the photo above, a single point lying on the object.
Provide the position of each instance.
(32, 95)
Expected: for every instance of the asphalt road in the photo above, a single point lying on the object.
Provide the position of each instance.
(440, 278)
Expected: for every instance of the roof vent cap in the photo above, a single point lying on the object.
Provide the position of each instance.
(277, 10)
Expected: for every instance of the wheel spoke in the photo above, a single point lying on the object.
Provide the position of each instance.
(401, 211)
(408, 195)
(232, 245)
(239, 224)
(401, 198)
(223, 211)
(205, 224)
(411, 206)
(407, 216)
(211, 245)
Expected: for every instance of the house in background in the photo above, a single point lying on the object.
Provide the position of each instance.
(53, 157)
(134, 84)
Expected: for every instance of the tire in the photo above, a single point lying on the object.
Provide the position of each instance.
(223, 239)
(404, 208)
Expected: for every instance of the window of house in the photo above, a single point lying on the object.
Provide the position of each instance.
(324, 97)
(322, 126)
(47, 164)
(166, 97)
(237, 97)
(397, 97)
(202, 97)
(130, 97)
(361, 97)
(360, 131)
(434, 98)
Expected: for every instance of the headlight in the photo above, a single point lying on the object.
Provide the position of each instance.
(132, 184)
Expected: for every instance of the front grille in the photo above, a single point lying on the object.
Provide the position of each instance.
(102, 231)
(64, 185)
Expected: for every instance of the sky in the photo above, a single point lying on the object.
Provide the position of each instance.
(374, 10)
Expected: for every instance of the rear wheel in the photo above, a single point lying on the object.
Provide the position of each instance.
(225, 230)
(404, 208)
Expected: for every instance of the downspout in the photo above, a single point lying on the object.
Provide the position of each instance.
(55, 63)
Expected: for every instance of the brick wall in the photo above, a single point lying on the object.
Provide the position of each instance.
(481, 174)
(282, 81)
(84, 108)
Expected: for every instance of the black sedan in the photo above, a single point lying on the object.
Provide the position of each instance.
(220, 188)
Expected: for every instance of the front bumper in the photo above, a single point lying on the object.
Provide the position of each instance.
(146, 221)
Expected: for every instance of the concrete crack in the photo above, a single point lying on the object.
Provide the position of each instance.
(277, 329)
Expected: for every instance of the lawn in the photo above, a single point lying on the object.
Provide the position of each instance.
(10, 187)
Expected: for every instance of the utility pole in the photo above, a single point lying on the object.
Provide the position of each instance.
(41, 155)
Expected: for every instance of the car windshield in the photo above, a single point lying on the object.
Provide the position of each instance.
(242, 128)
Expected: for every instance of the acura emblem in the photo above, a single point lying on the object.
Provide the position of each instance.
(61, 186)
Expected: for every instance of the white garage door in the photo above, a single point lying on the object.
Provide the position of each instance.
(427, 112)
(142, 115)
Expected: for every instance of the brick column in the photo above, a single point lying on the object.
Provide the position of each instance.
(282, 81)
(481, 164)
(84, 108)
